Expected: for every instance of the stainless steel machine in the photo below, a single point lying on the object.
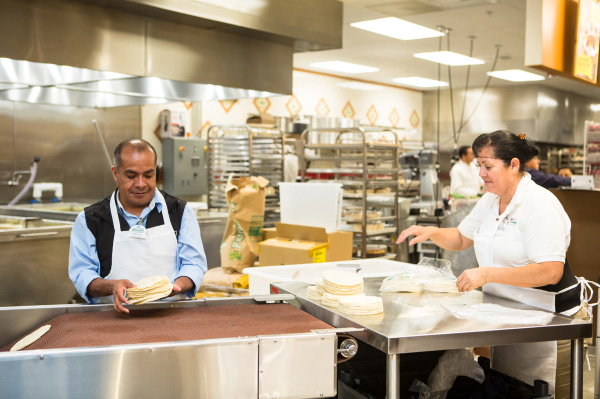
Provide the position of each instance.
(421, 166)
(184, 166)
(34, 263)
(264, 354)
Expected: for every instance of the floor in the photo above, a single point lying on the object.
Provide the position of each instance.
(588, 375)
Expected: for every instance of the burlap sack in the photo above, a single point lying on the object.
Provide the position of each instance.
(246, 202)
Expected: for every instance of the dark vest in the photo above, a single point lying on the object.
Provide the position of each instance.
(99, 222)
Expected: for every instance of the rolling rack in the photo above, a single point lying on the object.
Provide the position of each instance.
(242, 151)
(366, 163)
(591, 154)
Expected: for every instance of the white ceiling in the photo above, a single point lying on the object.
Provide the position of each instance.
(492, 23)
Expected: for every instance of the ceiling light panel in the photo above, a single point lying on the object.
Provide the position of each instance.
(516, 75)
(346, 67)
(397, 28)
(449, 58)
(420, 82)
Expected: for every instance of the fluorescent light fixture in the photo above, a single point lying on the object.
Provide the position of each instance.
(420, 82)
(449, 58)
(353, 85)
(397, 28)
(516, 75)
(346, 67)
(594, 107)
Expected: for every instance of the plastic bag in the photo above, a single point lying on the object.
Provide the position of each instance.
(492, 313)
(433, 275)
(450, 365)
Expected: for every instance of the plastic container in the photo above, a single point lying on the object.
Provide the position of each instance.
(311, 204)
(260, 278)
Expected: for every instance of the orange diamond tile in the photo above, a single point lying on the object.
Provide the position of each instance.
(293, 105)
(187, 104)
(394, 117)
(348, 111)
(262, 104)
(372, 115)
(414, 119)
(322, 108)
(227, 105)
(205, 126)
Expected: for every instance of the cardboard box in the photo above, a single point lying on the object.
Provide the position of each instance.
(295, 244)
(269, 232)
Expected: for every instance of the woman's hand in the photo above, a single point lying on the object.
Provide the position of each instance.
(471, 279)
(421, 234)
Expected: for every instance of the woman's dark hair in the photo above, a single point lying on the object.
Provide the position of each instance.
(506, 146)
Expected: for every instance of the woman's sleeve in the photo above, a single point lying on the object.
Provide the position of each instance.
(474, 219)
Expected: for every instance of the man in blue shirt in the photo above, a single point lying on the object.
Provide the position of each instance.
(544, 179)
(128, 236)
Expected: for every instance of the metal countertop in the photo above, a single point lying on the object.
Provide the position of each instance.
(417, 322)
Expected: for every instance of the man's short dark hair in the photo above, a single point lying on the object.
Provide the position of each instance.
(138, 145)
(464, 150)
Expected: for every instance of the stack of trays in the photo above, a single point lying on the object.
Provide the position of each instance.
(149, 289)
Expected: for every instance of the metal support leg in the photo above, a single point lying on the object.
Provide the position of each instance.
(393, 377)
(577, 368)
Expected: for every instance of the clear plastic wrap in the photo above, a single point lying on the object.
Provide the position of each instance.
(492, 313)
(433, 275)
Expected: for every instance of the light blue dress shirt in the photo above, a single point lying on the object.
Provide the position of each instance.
(84, 264)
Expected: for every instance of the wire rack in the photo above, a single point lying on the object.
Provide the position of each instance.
(243, 151)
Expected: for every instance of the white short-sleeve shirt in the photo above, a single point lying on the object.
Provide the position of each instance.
(534, 228)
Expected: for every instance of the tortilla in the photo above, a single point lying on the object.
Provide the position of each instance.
(149, 289)
(31, 338)
(342, 282)
(361, 305)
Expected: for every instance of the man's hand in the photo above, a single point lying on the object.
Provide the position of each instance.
(565, 172)
(181, 284)
(118, 292)
(471, 279)
(421, 234)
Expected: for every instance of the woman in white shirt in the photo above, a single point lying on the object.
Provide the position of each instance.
(521, 234)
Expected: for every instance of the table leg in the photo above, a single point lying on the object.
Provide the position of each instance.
(393, 377)
(577, 368)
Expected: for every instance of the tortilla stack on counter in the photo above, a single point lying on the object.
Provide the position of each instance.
(342, 282)
(313, 293)
(333, 300)
(361, 305)
(319, 286)
(149, 289)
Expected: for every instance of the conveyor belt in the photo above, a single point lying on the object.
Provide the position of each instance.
(88, 329)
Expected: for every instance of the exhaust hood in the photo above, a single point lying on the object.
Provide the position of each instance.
(100, 54)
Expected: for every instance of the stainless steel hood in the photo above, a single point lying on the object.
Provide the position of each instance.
(101, 54)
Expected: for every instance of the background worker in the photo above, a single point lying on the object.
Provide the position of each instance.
(136, 232)
(545, 179)
(464, 175)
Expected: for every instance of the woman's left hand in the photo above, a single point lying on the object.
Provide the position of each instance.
(471, 279)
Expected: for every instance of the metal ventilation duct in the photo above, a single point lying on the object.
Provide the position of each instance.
(93, 53)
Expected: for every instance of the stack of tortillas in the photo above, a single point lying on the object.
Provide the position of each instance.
(149, 289)
(342, 282)
(333, 300)
(361, 305)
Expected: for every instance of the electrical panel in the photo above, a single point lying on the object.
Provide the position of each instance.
(184, 166)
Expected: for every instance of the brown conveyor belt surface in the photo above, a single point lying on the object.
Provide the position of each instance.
(104, 328)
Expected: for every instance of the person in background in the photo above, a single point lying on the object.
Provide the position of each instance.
(546, 180)
(464, 175)
(520, 233)
(136, 232)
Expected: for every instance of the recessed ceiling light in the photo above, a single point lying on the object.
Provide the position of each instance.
(397, 28)
(420, 82)
(449, 58)
(353, 85)
(346, 67)
(516, 75)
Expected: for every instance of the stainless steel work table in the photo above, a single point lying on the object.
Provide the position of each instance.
(417, 322)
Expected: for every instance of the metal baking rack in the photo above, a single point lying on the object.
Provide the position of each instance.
(366, 163)
(243, 150)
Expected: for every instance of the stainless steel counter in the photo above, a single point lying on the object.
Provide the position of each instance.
(417, 322)
(56, 211)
